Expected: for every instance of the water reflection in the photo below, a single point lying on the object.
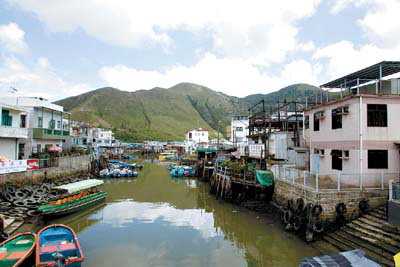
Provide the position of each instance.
(159, 221)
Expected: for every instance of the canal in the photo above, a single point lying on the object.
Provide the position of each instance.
(158, 221)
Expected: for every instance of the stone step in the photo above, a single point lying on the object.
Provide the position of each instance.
(370, 240)
(380, 224)
(378, 216)
(344, 244)
(377, 239)
(376, 229)
(369, 249)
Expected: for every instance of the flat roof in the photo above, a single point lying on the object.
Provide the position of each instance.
(365, 75)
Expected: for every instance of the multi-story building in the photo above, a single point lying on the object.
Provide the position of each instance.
(357, 134)
(81, 133)
(48, 123)
(13, 132)
(239, 130)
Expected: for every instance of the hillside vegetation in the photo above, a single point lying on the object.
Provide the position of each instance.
(166, 114)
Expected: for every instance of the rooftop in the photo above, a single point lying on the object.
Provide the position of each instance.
(374, 72)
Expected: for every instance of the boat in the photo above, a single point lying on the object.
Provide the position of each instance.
(356, 258)
(17, 250)
(182, 171)
(73, 197)
(57, 245)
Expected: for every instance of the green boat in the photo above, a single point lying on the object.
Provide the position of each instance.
(17, 250)
(74, 197)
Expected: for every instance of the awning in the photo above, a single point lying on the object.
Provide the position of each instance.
(374, 72)
(79, 186)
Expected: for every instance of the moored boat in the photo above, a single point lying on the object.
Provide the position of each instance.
(17, 250)
(58, 245)
(73, 197)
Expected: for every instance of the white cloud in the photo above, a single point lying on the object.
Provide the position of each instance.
(258, 30)
(232, 76)
(12, 38)
(344, 57)
(39, 80)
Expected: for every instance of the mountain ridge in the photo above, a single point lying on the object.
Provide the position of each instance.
(167, 113)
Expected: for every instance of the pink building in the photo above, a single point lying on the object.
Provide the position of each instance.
(356, 136)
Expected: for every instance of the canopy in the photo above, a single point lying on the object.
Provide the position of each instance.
(79, 186)
(374, 72)
(265, 178)
(206, 149)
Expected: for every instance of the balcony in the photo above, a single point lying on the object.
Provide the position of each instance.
(13, 132)
(41, 133)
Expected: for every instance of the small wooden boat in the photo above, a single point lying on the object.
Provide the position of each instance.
(58, 246)
(73, 197)
(17, 250)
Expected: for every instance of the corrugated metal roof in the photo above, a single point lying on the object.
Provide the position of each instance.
(366, 74)
(79, 186)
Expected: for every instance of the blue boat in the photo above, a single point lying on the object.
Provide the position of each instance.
(57, 245)
(182, 171)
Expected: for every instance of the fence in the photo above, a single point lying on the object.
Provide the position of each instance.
(337, 181)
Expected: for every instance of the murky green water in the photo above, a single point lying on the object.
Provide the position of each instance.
(157, 221)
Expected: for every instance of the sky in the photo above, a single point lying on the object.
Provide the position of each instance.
(57, 48)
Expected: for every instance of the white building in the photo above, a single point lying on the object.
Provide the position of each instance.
(103, 137)
(47, 123)
(197, 136)
(358, 135)
(239, 130)
(13, 131)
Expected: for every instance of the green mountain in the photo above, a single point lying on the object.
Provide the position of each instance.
(166, 114)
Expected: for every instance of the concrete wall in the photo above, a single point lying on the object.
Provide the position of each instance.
(67, 166)
(328, 199)
(9, 148)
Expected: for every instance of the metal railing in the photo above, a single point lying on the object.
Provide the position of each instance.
(338, 181)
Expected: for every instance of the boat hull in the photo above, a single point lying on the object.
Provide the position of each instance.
(61, 240)
(14, 253)
(56, 213)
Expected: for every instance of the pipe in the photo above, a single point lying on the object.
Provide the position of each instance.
(360, 130)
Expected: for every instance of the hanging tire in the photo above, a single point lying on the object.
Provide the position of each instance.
(287, 216)
(296, 223)
(316, 210)
(290, 204)
(341, 209)
(318, 227)
(299, 205)
(309, 235)
(33, 213)
(364, 206)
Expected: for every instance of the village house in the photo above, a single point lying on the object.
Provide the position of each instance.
(356, 136)
(239, 130)
(48, 124)
(13, 132)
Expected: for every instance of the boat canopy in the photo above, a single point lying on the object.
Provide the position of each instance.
(79, 186)
(206, 149)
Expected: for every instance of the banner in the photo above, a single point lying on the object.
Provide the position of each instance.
(10, 166)
(33, 164)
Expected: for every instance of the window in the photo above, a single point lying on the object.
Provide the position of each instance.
(40, 122)
(6, 119)
(59, 124)
(316, 122)
(23, 121)
(239, 129)
(377, 159)
(337, 163)
(337, 118)
(377, 115)
(307, 122)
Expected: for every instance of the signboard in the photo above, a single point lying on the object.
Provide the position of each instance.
(10, 166)
(33, 164)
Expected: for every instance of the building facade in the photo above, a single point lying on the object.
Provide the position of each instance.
(239, 130)
(13, 132)
(197, 136)
(48, 124)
